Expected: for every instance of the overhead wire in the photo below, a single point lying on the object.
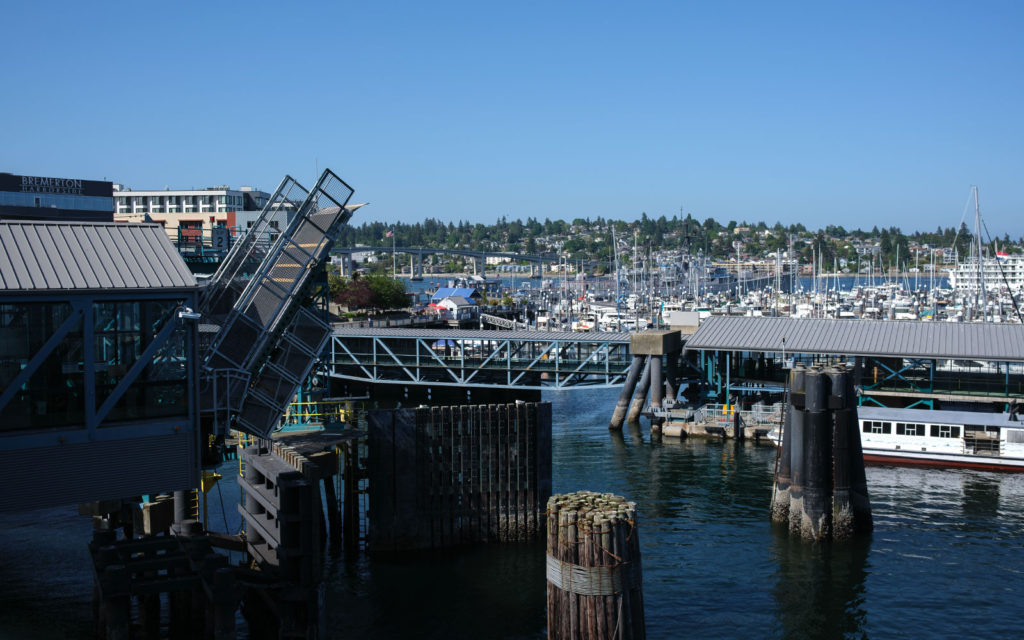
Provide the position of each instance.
(1002, 273)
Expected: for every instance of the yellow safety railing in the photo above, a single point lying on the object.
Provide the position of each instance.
(317, 411)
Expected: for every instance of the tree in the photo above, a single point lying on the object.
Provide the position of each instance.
(388, 293)
(353, 294)
(375, 291)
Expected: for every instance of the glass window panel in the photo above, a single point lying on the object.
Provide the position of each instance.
(53, 396)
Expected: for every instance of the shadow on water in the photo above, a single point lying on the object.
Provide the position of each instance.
(472, 592)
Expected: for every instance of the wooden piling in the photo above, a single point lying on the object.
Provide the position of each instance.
(477, 473)
(593, 568)
(117, 602)
(351, 491)
(333, 512)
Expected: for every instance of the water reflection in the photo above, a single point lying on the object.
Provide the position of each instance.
(981, 495)
(820, 587)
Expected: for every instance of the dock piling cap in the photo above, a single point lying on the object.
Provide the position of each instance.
(654, 343)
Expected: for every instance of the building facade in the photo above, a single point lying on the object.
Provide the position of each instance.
(98, 371)
(47, 199)
(213, 200)
(202, 223)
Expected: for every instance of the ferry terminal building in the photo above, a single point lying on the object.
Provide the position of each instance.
(46, 199)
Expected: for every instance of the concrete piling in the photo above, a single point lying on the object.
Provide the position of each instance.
(820, 484)
(657, 382)
(640, 397)
(817, 520)
(671, 377)
(738, 431)
(842, 509)
(619, 415)
(796, 447)
(783, 474)
(659, 379)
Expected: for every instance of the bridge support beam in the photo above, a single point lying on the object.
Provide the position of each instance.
(619, 415)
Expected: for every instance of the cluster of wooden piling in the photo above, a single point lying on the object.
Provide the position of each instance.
(444, 476)
(593, 568)
(820, 484)
(201, 591)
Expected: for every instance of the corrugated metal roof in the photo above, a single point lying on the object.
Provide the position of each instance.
(908, 338)
(81, 256)
(484, 334)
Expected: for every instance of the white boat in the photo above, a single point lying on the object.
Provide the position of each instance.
(1003, 271)
(939, 438)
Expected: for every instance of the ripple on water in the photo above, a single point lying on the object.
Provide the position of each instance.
(943, 562)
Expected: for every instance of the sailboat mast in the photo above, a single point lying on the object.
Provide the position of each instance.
(977, 234)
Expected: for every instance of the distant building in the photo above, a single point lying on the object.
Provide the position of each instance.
(459, 308)
(48, 199)
(468, 293)
(191, 212)
(212, 200)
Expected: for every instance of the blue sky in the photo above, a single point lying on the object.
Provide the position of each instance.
(855, 114)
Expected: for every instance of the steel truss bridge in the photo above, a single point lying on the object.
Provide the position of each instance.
(477, 359)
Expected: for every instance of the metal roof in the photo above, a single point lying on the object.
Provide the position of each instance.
(482, 334)
(459, 301)
(879, 338)
(448, 292)
(82, 256)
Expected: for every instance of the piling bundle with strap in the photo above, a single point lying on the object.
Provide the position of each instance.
(593, 568)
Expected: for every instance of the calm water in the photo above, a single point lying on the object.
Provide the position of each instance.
(945, 560)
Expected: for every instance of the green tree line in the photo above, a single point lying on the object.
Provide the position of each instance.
(587, 238)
